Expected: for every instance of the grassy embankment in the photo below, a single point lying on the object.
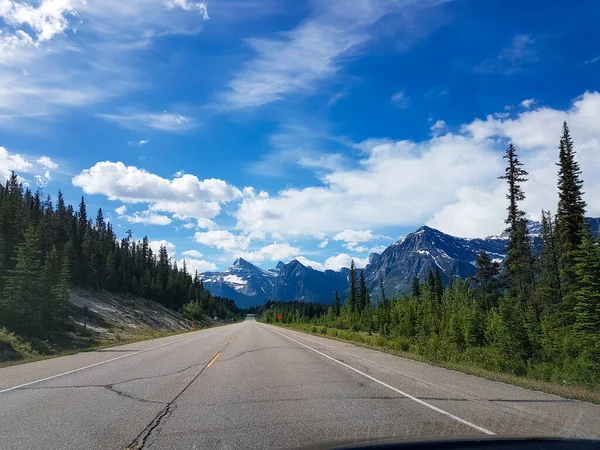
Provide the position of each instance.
(576, 391)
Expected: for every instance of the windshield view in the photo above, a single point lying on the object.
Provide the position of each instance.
(299, 224)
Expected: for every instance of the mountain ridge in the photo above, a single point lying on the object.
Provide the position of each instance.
(412, 255)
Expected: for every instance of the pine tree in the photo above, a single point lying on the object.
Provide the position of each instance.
(24, 289)
(549, 288)
(336, 304)
(487, 278)
(570, 214)
(365, 300)
(587, 293)
(439, 285)
(519, 260)
(416, 288)
(352, 291)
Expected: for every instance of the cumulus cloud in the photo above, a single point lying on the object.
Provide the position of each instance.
(271, 252)
(47, 162)
(192, 253)
(449, 181)
(223, 240)
(185, 196)
(438, 127)
(354, 236)
(121, 210)
(39, 168)
(155, 246)
(344, 260)
(323, 243)
(308, 263)
(194, 265)
(188, 5)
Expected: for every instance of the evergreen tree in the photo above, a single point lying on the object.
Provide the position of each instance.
(416, 288)
(439, 285)
(587, 293)
(487, 278)
(365, 300)
(519, 260)
(352, 301)
(24, 289)
(549, 287)
(336, 304)
(570, 214)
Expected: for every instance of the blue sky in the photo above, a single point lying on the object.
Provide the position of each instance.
(316, 130)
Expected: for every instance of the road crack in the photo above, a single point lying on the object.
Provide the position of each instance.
(140, 441)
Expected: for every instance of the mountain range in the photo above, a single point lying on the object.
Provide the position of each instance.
(414, 255)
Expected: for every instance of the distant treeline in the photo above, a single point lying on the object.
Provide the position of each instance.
(45, 248)
(536, 314)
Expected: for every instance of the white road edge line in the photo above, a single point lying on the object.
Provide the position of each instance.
(415, 399)
(92, 365)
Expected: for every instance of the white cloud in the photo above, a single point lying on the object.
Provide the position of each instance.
(354, 236)
(438, 127)
(271, 252)
(39, 168)
(593, 60)
(312, 52)
(121, 210)
(400, 99)
(223, 239)
(164, 121)
(155, 246)
(197, 265)
(47, 162)
(449, 182)
(189, 226)
(343, 260)
(148, 218)
(192, 254)
(140, 142)
(528, 103)
(187, 5)
(78, 52)
(307, 262)
(206, 224)
(354, 247)
(12, 161)
(185, 196)
(324, 243)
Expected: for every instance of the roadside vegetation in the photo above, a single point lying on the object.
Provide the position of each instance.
(535, 316)
(47, 248)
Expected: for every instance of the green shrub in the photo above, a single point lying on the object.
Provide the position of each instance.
(13, 348)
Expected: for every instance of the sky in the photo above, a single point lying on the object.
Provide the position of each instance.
(286, 129)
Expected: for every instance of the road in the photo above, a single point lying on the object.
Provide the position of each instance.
(250, 385)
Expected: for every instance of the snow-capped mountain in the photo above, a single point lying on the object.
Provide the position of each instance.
(250, 285)
(424, 250)
(415, 254)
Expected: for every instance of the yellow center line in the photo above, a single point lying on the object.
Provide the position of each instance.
(213, 360)
(231, 340)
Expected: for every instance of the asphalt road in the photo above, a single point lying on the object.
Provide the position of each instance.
(250, 385)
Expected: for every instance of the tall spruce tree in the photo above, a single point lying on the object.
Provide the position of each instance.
(519, 260)
(353, 286)
(587, 293)
(570, 214)
(336, 304)
(365, 300)
(487, 279)
(416, 288)
(549, 290)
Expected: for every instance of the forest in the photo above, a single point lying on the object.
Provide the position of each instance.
(536, 314)
(46, 247)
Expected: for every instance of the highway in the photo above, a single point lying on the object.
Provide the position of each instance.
(251, 385)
